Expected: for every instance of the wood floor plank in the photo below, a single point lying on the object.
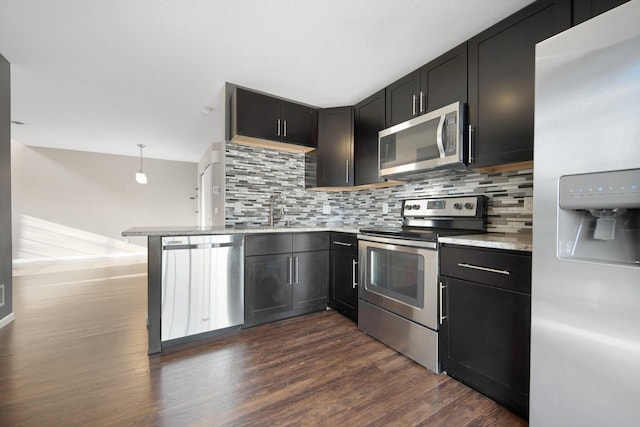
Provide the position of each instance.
(76, 356)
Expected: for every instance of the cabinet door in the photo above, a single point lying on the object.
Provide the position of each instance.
(444, 80)
(267, 285)
(587, 9)
(501, 81)
(343, 292)
(311, 280)
(299, 125)
(403, 99)
(369, 120)
(257, 115)
(335, 147)
(489, 332)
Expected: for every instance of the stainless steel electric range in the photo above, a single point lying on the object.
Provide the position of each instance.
(400, 299)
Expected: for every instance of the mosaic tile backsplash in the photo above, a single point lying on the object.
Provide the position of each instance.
(254, 174)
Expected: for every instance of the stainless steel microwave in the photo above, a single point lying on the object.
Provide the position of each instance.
(432, 141)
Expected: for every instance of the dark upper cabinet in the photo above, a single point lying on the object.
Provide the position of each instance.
(263, 117)
(501, 82)
(586, 9)
(434, 85)
(444, 80)
(402, 99)
(335, 147)
(369, 120)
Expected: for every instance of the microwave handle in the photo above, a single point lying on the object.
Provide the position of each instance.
(439, 137)
(471, 131)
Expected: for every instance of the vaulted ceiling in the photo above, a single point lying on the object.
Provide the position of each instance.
(104, 76)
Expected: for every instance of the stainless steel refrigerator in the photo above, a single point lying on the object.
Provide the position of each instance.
(585, 326)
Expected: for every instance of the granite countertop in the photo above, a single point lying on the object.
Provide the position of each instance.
(254, 229)
(514, 242)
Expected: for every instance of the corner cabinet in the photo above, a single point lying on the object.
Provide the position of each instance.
(343, 290)
(257, 118)
(369, 120)
(501, 82)
(434, 85)
(335, 147)
(487, 295)
(286, 275)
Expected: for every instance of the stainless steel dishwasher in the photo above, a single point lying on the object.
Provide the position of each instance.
(202, 285)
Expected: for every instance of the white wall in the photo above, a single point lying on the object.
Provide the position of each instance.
(73, 203)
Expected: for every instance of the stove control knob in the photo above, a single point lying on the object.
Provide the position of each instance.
(408, 207)
(457, 206)
(468, 205)
(416, 207)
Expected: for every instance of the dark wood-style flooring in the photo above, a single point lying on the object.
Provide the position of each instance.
(76, 356)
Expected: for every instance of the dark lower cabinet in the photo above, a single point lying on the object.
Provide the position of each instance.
(488, 312)
(343, 290)
(501, 78)
(286, 275)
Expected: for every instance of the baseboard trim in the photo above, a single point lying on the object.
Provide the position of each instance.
(7, 319)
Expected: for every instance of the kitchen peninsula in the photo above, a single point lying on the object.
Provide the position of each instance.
(290, 255)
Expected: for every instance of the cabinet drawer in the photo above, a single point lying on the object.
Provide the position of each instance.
(346, 243)
(267, 244)
(306, 242)
(493, 267)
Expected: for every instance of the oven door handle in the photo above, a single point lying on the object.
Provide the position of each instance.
(442, 316)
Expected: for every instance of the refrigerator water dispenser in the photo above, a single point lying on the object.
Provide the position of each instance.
(599, 217)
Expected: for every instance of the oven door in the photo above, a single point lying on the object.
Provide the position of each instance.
(400, 276)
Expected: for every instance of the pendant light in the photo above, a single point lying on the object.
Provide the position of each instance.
(141, 178)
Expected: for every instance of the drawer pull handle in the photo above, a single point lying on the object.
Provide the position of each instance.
(342, 243)
(477, 267)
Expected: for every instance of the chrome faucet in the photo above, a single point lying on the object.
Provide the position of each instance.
(272, 204)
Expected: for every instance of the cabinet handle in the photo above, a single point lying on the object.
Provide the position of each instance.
(422, 96)
(342, 243)
(354, 266)
(346, 172)
(296, 259)
(285, 128)
(477, 267)
(414, 104)
(471, 131)
(278, 127)
(442, 316)
(289, 271)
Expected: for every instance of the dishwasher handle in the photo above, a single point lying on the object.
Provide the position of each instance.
(173, 247)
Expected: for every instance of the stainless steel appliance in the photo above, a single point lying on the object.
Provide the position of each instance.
(432, 141)
(202, 285)
(585, 329)
(399, 295)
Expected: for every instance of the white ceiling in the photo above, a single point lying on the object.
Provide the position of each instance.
(106, 75)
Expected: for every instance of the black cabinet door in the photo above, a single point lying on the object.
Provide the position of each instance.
(444, 80)
(488, 339)
(299, 124)
(335, 147)
(257, 115)
(343, 293)
(311, 280)
(586, 9)
(402, 98)
(501, 81)
(267, 285)
(369, 120)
